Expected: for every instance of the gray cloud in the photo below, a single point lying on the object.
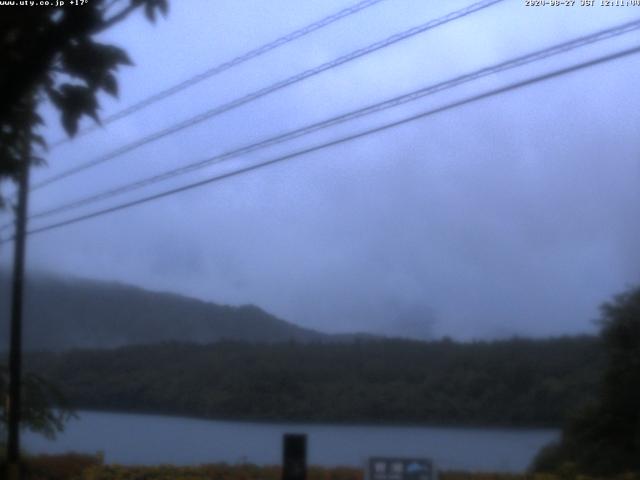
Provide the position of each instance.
(515, 215)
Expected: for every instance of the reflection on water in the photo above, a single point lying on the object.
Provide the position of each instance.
(150, 439)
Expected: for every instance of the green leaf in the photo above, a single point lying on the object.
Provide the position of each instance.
(150, 12)
(38, 161)
(163, 6)
(70, 123)
(110, 85)
(94, 63)
(39, 140)
(74, 101)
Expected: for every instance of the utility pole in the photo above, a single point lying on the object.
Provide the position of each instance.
(15, 346)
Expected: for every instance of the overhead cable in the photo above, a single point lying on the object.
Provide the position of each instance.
(368, 110)
(268, 90)
(222, 67)
(349, 138)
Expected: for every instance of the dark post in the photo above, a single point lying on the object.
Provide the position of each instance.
(294, 457)
(15, 346)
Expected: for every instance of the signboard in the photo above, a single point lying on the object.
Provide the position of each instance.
(384, 468)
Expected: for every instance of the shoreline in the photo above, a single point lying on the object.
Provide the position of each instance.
(329, 423)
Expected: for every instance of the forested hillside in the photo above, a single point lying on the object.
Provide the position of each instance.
(72, 313)
(514, 382)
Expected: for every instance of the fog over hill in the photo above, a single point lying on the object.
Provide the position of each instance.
(63, 313)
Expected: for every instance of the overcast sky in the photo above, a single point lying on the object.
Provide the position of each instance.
(513, 215)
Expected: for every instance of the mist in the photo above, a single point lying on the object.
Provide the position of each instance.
(511, 216)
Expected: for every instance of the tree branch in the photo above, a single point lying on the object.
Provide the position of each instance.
(117, 18)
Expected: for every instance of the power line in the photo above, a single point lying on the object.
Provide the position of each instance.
(370, 109)
(270, 89)
(222, 67)
(365, 133)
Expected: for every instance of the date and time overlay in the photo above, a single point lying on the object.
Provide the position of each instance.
(525, 3)
(581, 3)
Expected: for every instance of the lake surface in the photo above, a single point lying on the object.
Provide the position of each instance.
(152, 439)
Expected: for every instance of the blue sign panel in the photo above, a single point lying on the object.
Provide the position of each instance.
(383, 468)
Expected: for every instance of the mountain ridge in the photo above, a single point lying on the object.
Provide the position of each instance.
(63, 313)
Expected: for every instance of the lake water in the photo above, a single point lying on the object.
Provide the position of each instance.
(151, 439)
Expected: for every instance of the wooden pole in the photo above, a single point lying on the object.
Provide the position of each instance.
(15, 346)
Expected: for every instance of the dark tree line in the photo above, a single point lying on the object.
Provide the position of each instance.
(603, 438)
(515, 382)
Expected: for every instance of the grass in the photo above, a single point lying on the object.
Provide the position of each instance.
(91, 467)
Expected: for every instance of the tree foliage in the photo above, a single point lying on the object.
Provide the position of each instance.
(44, 408)
(50, 53)
(511, 382)
(603, 438)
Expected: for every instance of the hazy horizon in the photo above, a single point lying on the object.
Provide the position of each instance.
(57, 277)
(516, 215)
